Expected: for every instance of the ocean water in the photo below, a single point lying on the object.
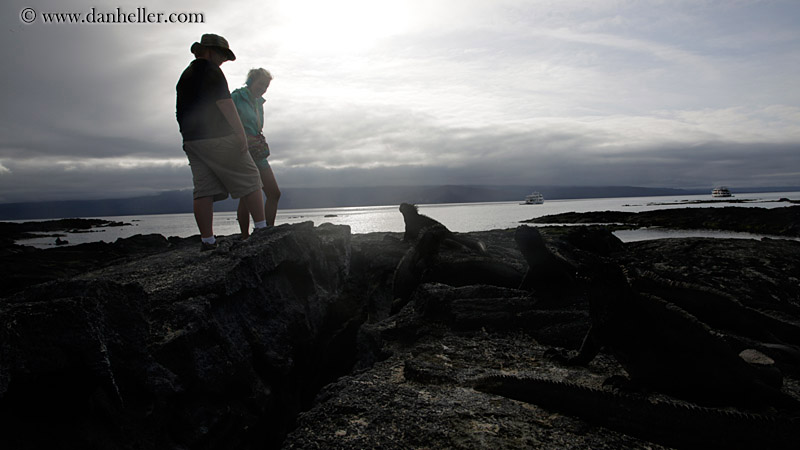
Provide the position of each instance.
(461, 217)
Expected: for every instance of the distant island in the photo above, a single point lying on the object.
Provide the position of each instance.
(180, 201)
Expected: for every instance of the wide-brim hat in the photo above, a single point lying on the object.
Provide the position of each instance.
(215, 41)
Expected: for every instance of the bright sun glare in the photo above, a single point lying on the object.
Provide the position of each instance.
(341, 26)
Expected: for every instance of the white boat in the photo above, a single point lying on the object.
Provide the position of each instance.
(533, 199)
(721, 191)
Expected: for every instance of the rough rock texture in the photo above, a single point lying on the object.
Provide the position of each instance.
(181, 349)
(420, 394)
(288, 340)
(416, 399)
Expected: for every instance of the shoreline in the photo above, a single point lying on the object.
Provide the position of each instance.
(761, 221)
(27, 264)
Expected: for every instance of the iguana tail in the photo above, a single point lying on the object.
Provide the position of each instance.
(665, 423)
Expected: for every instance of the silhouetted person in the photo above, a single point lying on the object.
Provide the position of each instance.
(249, 103)
(214, 139)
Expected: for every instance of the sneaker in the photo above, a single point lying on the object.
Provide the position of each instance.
(206, 247)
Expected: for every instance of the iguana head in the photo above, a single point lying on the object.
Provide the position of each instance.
(408, 208)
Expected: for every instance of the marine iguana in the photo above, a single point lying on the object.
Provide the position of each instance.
(416, 222)
(716, 308)
(409, 272)
(422, 263)
(743, 327)
(664, 348)
(666, 423)
(546, 272)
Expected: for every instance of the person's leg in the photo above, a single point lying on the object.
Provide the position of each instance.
(207, 186)
(240, 176)
(204, 215)
(243, 216)
(253, 203)
(273, 195)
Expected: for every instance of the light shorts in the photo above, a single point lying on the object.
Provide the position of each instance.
(220, 168)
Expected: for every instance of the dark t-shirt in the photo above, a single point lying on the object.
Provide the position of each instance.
(199, 88)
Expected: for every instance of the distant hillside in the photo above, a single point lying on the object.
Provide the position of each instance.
(171, 202)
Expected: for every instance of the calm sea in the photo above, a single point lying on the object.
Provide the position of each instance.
(462, 217)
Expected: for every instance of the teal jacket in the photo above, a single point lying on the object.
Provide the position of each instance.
(251, 110)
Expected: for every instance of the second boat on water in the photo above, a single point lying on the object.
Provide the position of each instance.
(721, 191)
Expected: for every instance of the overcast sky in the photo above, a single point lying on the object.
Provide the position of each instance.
(369, 92)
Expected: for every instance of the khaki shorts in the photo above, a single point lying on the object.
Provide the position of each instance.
(220, 168)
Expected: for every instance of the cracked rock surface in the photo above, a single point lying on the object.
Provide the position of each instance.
(293, 339)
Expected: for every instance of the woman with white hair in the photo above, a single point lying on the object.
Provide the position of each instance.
(249, 103)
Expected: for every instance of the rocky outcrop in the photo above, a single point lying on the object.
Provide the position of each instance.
(289, 340)
(180, 349)
(434, 353)
(25, 266)
(783, 221)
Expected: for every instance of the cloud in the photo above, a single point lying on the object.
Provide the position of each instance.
(674, 94)
(65, 179)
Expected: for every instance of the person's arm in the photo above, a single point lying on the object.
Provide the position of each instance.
(228, 109)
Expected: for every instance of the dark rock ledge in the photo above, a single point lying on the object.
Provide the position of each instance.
(289, 340)
(782, 221)
(13, 231)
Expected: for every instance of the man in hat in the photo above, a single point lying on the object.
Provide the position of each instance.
(214, 139)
